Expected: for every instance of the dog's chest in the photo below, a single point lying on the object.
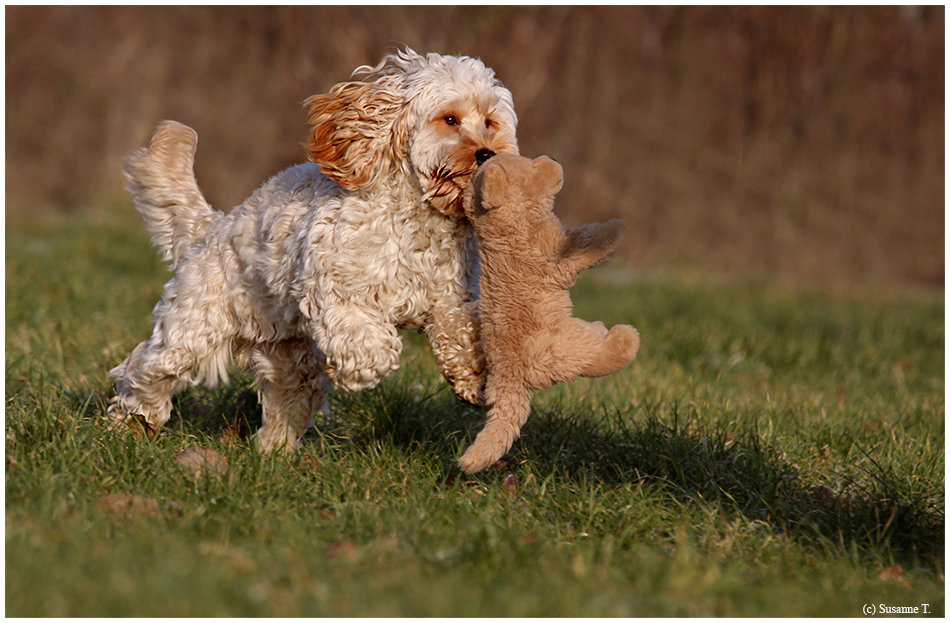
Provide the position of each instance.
(394, 262)
(408, 264)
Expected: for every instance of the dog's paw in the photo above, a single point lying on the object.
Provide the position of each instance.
(269, 439)
(121, 417)
(470, 389)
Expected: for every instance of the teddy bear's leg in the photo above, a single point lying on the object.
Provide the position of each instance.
(510, 406)
(293, 387)
(576, 348)
(453, 333)
(618, 349)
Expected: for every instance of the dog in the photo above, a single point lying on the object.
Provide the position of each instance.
(306, 283)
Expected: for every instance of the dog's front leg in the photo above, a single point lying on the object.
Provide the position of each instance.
(452, 330)
(361, 347)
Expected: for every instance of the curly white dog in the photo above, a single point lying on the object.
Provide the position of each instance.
(307, 281)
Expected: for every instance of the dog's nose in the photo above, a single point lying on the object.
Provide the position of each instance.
(482, 155)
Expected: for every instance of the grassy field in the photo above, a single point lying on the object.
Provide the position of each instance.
(772, 452)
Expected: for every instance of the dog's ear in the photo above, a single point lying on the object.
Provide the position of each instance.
(355, 130)
(551, 170)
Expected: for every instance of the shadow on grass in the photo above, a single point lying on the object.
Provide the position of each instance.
(654, 446)
(663, 447)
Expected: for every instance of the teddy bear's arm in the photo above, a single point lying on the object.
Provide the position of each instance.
(589, 245)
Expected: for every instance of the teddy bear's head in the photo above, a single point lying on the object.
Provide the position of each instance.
(513, 185)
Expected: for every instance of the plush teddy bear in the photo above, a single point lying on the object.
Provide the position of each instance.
(528, 262)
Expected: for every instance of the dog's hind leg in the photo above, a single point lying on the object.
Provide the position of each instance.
(190, 344)
(139, 398)
(153, 373)
(293, 385)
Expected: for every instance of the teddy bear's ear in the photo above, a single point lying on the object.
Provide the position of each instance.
(551, 170)
(492, 185)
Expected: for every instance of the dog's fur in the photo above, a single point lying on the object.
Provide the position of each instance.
(528, 262)
(307, 281)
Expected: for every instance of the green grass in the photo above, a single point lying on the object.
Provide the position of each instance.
(771, 452)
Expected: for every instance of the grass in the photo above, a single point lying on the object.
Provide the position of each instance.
(772, 452)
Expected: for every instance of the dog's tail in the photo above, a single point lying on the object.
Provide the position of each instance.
(508, 413)
(163, 185)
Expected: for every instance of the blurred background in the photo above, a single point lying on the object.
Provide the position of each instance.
(805, 144)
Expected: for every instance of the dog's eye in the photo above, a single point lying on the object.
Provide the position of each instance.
(488, 123)
(450, 120)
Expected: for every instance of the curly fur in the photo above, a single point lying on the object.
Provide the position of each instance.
(306, 283)
(528, 261)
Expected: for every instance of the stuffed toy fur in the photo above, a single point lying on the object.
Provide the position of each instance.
(528, 262)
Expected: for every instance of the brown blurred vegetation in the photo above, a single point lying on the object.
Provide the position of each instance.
(806, 143)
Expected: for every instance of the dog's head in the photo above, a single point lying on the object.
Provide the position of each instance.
(433, 117)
